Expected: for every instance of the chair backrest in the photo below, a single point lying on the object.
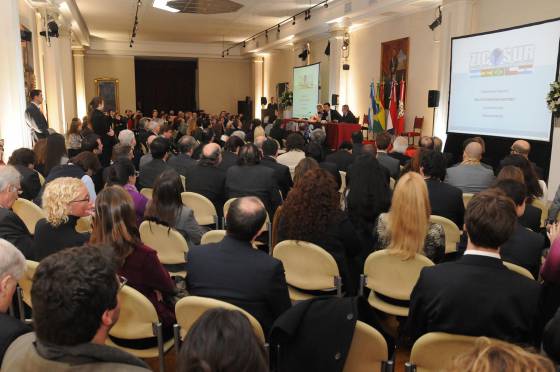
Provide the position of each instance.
(147, 192)
(183, 181)
(41, 178)
(391, 276)
(392, 183)
(365, 119)
(519, 269)
(169, 244)
(434, 351)
(544, 189)
(452, 232)
(467, 196)
(307, 265)
(29, 212)
(27, 280)
(213, 236)
(275, 223)
(367, 350)
(418, 122)
(190, 308)
(542, 205)
(137, 315)
(343, 181)
(203, 209)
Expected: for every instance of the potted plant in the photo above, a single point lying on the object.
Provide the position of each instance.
(286, 102)
(553, 99)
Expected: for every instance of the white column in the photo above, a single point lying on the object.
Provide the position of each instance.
(13, 129)
(456, 21)
(258, 71)
(335, 64)
(79, 79)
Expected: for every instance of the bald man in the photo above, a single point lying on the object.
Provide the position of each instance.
(470, 176)
(206, 178)
(523, 148)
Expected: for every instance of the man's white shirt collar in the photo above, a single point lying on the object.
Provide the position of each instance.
(475, 252)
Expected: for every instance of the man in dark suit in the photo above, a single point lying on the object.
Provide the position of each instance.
(477, 295)
(207, 178)
(150, 171)
(271, 110)
(383, 140)
(329, 114)
(35, 116)
(357, 143)
(229, 155)
(234, 271)
(23, 160)
(347, 115)
(250, 178)
(445, 200)
(11, 327)
(182, 161)
(523, 148)
(12, 227)
(531, 219)
(281, 172)
(524, 247)
(343, 157)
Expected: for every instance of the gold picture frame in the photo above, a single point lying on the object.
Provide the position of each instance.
(108, 89)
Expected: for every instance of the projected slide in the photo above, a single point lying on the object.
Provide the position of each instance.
(499, 82)
(306, 91)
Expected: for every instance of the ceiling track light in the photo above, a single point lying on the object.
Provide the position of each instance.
(326, 4)
(278, 27)
(294, 21)
(244, 44)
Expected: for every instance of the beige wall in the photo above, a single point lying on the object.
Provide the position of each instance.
(118, 67)
(223, 82)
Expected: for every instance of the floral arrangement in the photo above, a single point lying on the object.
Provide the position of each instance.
(553, 99)
(287, 99)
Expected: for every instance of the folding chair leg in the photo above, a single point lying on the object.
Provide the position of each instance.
(177, 339)
(20, 304)
(362, 285)
(338, 285)
(217, 222)
(387, 366)
(409, 367)
(158, 332)
(269, 226)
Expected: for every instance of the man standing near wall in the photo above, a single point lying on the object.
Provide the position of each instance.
(34, 116)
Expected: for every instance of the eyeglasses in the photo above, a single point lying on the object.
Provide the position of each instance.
(122, 281)
(86, 199)
(16, 189)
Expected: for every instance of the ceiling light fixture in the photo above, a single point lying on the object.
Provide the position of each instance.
(162, 4)
(326, 4)
(278, 27)
(435, 24)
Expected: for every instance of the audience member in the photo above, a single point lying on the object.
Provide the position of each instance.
(167, 207)
(74, 137)
(75, 304)
(551, 268)
(229, 155)
(55, 152)
(551, 337)
(233, 271)
(554, 207)
(438, 144)
(294, 152)
(400, 145)
(319, 137)
(347, 115)
(123, 173)
(40, 150)
(534, 190)
(343, 157)
(426, 143)
(92, 143)
(102, 126)
(523, 148)
(313, 150)
(357, 143)
(304, 165)
(148, 174)
(483, 161)
(277, 132)
(470, 176)
(115, 226)
(12, 269)
(146, 158)
(319, 220)
(445, 200)
(382, 141)
(469, 295)
(23, 160)
(511, 172)
(65, 200)
(126, 137)
(250, 178)
(183, 160)
(524, 247)
(12, 228)
(281, 172)
(410, 207)
(330, 114)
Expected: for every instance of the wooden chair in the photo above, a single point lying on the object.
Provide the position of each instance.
(213, 236)
(467, 196)
(139, 320)
(203, 209)
(389, 275)
(29, 212)
(24, 288)
(433, 352)
(368, 350)
(416, 130)
(452, 232)
(519, 269)
(543, 206)
(308, 267)
(168, 243)
(147, 192)
(392, 183)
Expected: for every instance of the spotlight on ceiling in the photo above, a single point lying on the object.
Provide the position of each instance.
(162, 4)
(278, 28)
(437, 22)
(294, 21)
(244, 44)
(52, 28)
(326, 4)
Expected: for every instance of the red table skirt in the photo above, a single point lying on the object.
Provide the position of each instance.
(336, 132)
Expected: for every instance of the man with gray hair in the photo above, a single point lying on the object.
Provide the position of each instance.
(470, 176)
(12, 268)
(126, 137)
(182, 161)
(12, 227)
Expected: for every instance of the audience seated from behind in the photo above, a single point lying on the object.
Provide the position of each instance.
(282, 175)
(233, 271)
(182, 161)
(357, 143)
(534, 190)
(250, 178)
(382, 141)
(400, 144)
(523, 148)
(24, 161)
(312, 213)
(551, 268)
(12, 269)
(470, 176)
(146, 158)
(120, 151)
(498, 356)
(123, 173)
(554, 207)
(478, 295)
(343, 157)
(115, 226)
(524, 247)
(149, 172)
(304, 165)
(65, 200)
(277, 132)
(12, 228)
(55, 152)
(75, 304)
(406, 229)
(313, 150)
(319, 136)
(294, 151)
(445, 200)
(222, 340)
(231, 149)
(485, 162)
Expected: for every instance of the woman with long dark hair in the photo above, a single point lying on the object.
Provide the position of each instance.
(102, 126)
(534, 190)
(123, 173)
(74, 137)
(55, 152)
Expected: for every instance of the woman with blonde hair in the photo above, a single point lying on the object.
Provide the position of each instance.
(406, 229)
(65, 200)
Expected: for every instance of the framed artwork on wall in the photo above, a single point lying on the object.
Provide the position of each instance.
(394, 63)
(28, 70)
(108, 89)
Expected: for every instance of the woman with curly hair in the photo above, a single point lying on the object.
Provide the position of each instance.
(312, 213)
(65, 200)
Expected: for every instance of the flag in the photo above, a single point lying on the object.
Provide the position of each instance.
(392, 117)
(380, 117)
(400, 116)
(373, 111)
